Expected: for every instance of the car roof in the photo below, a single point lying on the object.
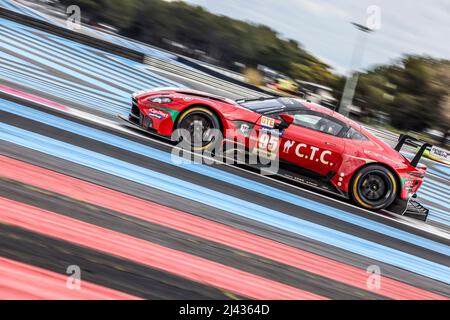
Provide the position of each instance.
(279, 104)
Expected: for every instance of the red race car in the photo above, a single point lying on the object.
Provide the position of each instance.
(312, 144)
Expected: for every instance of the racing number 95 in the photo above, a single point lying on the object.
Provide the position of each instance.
(268, 142)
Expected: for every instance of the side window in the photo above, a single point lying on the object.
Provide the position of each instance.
(355, 135)
(318, 122)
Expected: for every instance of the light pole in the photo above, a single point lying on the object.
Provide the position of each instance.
(352, 80)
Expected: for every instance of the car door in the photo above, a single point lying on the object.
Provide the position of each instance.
(314, 141)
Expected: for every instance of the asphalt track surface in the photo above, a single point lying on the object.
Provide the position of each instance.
(77, 191)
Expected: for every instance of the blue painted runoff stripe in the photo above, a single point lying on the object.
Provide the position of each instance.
(14, 47)
(224, 176)
(71, 96)
(439, 172)
(7, 4)
(436, 184)
(68, 49)
(224, 202)
(430, 195)
(77, 56)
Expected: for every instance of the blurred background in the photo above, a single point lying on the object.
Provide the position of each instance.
(397, 51)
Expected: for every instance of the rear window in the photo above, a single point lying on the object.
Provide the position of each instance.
(355, 135)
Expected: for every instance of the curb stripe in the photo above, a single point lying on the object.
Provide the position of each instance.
(181, 221)
(24, 282)
(224, 202)
(147, 253)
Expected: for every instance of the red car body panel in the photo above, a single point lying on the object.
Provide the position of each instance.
(315, 151)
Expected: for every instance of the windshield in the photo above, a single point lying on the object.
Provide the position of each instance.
(319, 123)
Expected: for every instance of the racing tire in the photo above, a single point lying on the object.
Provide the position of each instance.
(374, 187)
(200, 129)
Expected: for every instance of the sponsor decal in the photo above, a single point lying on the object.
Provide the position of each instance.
(158, 114)
(409, 184)
(275, 132)
(267, 122)
(314, 152)
(245, 129)
(440, 153)
(182, 97)
(288, 145)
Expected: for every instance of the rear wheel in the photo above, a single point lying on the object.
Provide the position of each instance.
(374, 187)
(199, 129)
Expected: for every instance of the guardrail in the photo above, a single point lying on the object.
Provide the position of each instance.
(201, 77)
(193, 64)
(229, 73)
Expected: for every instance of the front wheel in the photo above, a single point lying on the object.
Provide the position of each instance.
(199, 129)
(374, 187)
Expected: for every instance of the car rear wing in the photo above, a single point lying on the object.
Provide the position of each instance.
(404, 138)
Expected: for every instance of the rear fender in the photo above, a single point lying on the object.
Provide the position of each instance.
(350, 165)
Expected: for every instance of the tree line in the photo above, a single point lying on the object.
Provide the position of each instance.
(414, 91)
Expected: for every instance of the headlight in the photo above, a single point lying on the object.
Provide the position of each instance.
(160, 100)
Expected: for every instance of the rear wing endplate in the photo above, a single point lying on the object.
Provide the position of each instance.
(404, 138)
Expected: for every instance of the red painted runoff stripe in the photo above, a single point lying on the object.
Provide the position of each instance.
(147, 253)
(20, 281)
(33, 98)
(155, 213)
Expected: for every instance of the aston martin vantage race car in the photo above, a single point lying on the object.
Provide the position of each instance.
(313, 144)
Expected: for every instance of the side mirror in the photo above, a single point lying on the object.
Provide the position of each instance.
(286, 121)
